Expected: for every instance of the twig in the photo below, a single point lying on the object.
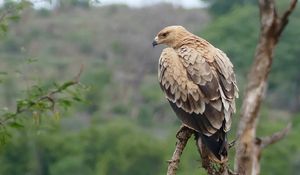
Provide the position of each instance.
(183, 136)
(232, 144)
(285, 17)
(67, 84)
(289, 11)
(77, 77)
(48, 97)
(265, 141)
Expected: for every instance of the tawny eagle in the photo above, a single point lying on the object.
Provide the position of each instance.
(199, 83)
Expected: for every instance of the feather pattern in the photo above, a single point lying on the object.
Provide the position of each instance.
(199, 79)
(199, 83)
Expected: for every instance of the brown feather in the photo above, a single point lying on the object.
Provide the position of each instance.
(199, 83)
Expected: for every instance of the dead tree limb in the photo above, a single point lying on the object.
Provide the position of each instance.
(212, 168)
(183, 135)
(266, 141)
(248, 151)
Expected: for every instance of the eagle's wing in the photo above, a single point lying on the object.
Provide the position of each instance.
(195, 90)
(213, 72)
(177, 86)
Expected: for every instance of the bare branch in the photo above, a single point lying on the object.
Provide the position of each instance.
(264, 142)
(183, 136)
(76, 79)
(290, 10)
(284, 19)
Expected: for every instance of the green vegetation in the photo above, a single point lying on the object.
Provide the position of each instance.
(113, 148)
(221, 7)
(119, 122)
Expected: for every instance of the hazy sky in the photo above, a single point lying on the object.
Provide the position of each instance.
(140, 3)
(131, 3)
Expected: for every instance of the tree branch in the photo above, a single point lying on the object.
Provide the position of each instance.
(212, 168)
(266, 141)
(287, 13)
(183, 135)
(284, 19)
(49, 97)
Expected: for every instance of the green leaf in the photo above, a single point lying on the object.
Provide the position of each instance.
(76, 98)
(15, 125)
(65, 85)
(66, 103)
(4, 136)
(3, 27)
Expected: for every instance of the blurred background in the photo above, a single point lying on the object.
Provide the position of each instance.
(122, 124)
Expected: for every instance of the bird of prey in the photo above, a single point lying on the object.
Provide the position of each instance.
(199, 82)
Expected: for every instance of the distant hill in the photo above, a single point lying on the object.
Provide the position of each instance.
(113, 41)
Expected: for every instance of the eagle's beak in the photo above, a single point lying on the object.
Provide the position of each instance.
(154, 43)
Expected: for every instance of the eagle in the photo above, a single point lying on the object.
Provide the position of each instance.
(199, 83)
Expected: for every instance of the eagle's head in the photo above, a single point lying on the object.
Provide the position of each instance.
(170, 36)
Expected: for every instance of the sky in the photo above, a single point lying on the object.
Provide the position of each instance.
(141, 3)
(131, 3)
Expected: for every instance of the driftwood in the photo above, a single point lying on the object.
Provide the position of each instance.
(248, 147)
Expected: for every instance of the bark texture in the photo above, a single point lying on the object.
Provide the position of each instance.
(183, 135)
(248, 150)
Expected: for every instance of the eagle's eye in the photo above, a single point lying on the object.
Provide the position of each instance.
(165, 34)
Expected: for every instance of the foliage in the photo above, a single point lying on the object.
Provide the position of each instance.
(124, 125)
(38, 101)
(222, 7)
(111, 148)
(10, 11)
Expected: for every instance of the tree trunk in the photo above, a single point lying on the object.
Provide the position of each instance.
(247, 159)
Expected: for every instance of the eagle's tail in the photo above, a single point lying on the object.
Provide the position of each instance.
(214, 146)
